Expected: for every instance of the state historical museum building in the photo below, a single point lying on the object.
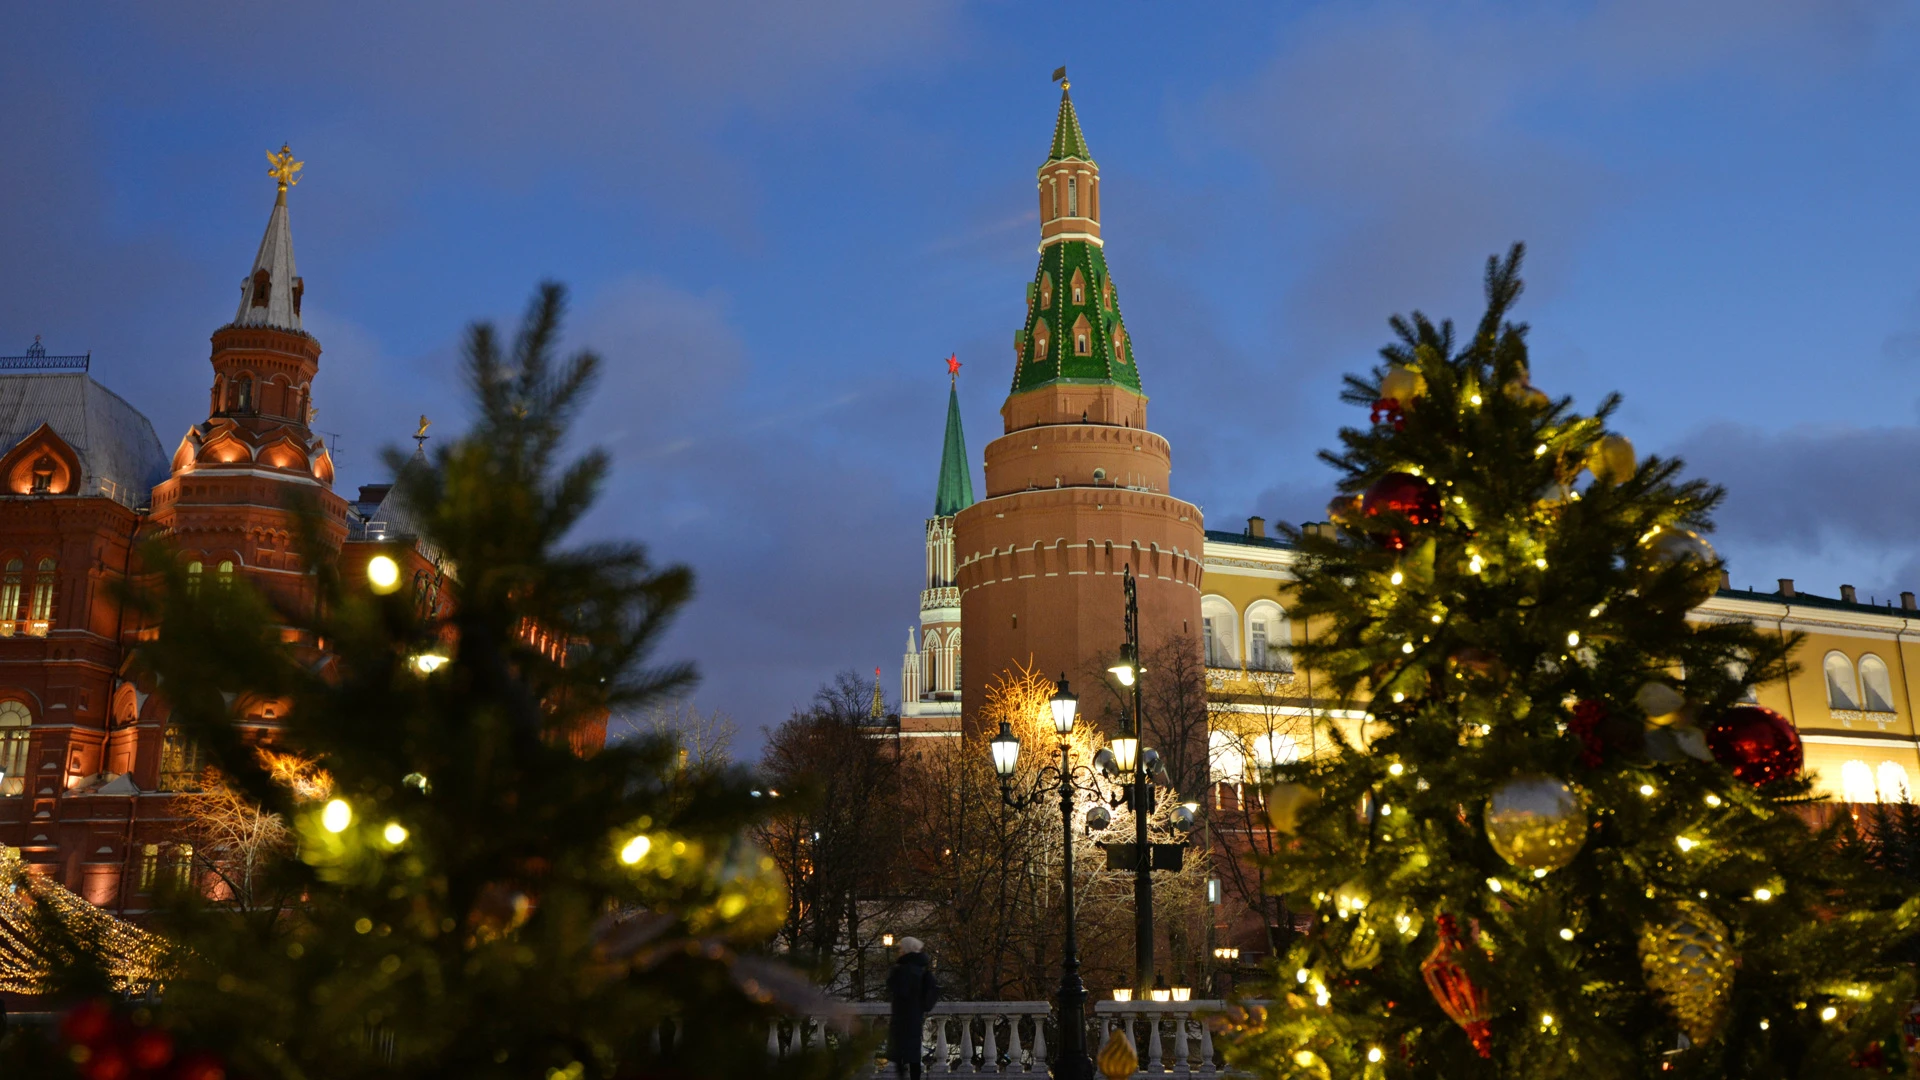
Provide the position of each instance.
(89, 767)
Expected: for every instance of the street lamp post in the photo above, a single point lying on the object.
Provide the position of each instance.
(1072, 1061)
(1139, 792)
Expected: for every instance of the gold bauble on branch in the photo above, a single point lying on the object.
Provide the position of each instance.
(1525, 393)
(1689, 963)
(1536, 822)
(1611, 459)
(1363, 945)
(1676, 545)
(1351, 898)
(1286, 801)
(1403, 385)
(1663, 704)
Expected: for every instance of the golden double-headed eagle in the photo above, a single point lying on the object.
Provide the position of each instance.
(284, 167)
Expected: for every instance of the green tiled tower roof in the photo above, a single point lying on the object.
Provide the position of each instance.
(1068, 142)
(955, 492)
(1069, 338)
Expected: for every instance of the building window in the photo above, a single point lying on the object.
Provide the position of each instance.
(1220, 631)
(1226, 757)
(1893, 783)
(1082, 337)
(1073, 197)
(16, 727)
(182, 866)
(1842, 689)
(1856, 783)
(1039, 341)
(181, 761)
(42, 476)
(10, 598)
(262, 287)
(1046, 290)
(1257, 657)
(1079, 288)
(1876, 687)
(193, 578)
(1212, 642)
(149, 867)
(243, 393)
(226, 572)
(40, 618)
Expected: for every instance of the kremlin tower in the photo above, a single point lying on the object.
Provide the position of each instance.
(930, 673)
(1077, 488)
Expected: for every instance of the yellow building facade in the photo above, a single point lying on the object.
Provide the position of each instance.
(1850, 699)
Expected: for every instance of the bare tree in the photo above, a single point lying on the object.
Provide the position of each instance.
(233, 841)
(705, 739)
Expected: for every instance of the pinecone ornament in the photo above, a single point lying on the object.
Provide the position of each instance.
(1689, 963)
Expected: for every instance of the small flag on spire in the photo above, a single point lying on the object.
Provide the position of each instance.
(1060, 74)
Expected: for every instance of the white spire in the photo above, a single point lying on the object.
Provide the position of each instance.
(270, 293)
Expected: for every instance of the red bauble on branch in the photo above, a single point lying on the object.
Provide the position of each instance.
(1758, 744)
(1404, 496)
(1464, 1002)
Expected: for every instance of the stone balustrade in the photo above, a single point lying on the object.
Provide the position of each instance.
(995, 1038)
(1170, 1037)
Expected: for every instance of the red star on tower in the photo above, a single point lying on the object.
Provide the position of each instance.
(953, 365)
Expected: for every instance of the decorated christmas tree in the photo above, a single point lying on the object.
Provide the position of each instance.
(462, 889)
(1563, 841)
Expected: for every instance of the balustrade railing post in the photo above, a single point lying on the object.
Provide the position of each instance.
(1180, 1064)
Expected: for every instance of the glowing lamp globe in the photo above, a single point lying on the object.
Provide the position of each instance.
(1065, 703)
(1126, 749)
(1006, 751)
(383, 574)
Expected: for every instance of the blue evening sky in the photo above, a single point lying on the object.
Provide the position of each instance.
(777, 219)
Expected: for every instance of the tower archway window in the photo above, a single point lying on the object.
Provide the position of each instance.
(10, 598)
(1079, 288)
(299, 290)
(40, 616)
(1082, 337)
(262, 287)
(16, 727)
(1040, 342)
(1046, 290)
(243, 393)
(42, 475)
(1073, 197)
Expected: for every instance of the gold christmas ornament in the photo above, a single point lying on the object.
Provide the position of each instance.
(1363, 946)
(1403, 385)
(1611, 459)
(1118, 1059)
(1536, 822)
(1524, 393)
(1689, 963)
(1286, 801)
(1663, 704)
(1675, 544)
(1350, 898)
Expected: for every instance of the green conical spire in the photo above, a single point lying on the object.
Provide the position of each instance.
(1068, 142)
(955, 492)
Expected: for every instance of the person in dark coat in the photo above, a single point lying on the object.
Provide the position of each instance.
(914, 990)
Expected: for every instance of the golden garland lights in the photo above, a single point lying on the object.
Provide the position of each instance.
(134, 957)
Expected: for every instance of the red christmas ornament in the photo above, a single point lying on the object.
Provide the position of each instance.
(87, 1024)
(1390, 410)
(1585, 726)
(201, 1067)
(152, 1050)
(1404, 496)
(1758, 744)
(1463, 1002)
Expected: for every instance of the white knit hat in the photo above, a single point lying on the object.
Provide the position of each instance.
(912, 944)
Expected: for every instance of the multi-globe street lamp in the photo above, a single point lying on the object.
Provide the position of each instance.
(1064, 779)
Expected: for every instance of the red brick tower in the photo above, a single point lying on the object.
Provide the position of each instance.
(1077, 488)
(227, 505)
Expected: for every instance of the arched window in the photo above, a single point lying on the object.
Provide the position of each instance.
(10, 597)
(243, 393)
(1226, 757)
(930, 662)
(16, 726)
(262, 287)
(954, 645)
(1876, 687)
(1046, 290)
(40, 617)
(1073, 197)
(1269, 637)
(226, 572)
(1894, 786)
(149, 867)
(1856, 783)
(181, 762)
(1843, 690)
(1082, 337)
(1040, 341)
(193, 578)
(1079, 287)
(42, 475)
(1219, 631)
